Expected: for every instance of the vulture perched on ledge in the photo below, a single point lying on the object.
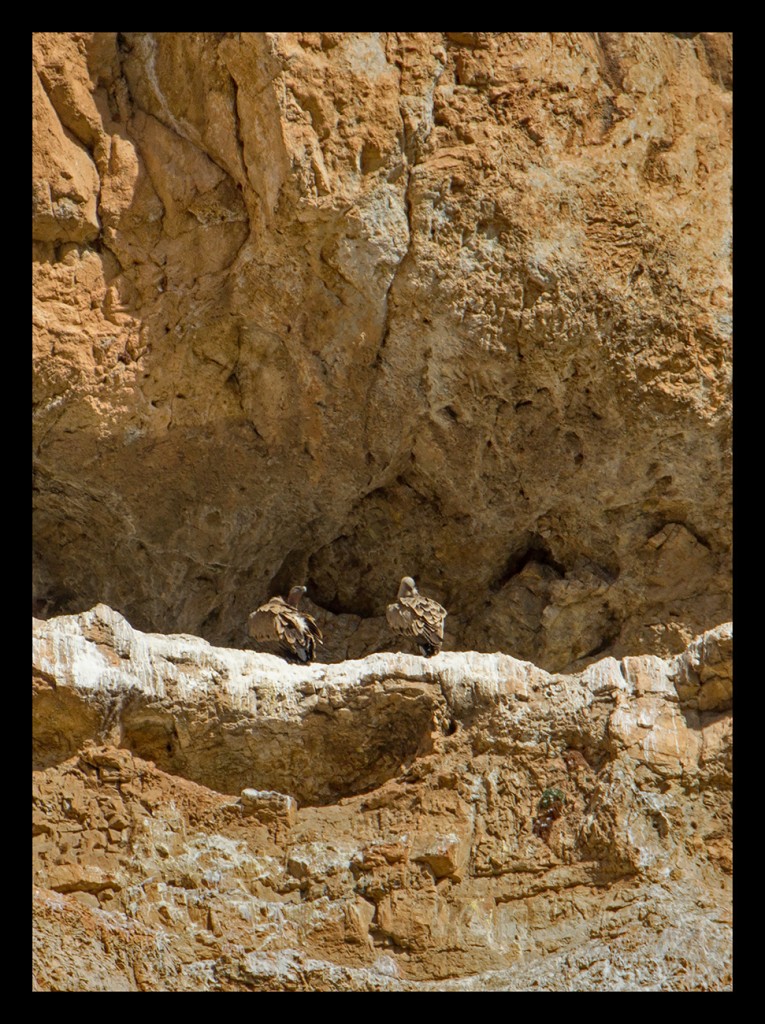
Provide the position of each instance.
(279, 623)
(416, 616)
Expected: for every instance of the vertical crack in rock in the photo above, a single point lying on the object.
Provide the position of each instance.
(238, 123)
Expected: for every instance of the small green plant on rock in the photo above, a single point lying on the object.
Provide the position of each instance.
(550, 807)
(551, 796)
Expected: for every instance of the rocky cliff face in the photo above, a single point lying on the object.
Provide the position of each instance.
(331, 309)
(335, 308)
(215, 819)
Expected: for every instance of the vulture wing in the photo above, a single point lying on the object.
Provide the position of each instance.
(295, 632)
(418, 617)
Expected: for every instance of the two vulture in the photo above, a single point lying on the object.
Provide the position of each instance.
(279, 623)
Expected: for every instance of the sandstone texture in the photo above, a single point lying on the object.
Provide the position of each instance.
(330, 309)
(335, 308)
(213, 819)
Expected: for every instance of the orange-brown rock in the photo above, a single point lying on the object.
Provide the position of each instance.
(212, 819)
(340, 307)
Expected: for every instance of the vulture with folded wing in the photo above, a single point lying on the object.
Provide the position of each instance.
(278, 623)
(417, 617)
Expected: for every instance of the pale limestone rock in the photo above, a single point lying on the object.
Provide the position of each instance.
(417, 842)
(648, 675)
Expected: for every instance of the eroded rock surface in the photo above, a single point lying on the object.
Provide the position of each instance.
(338, 307)
(212, 819)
